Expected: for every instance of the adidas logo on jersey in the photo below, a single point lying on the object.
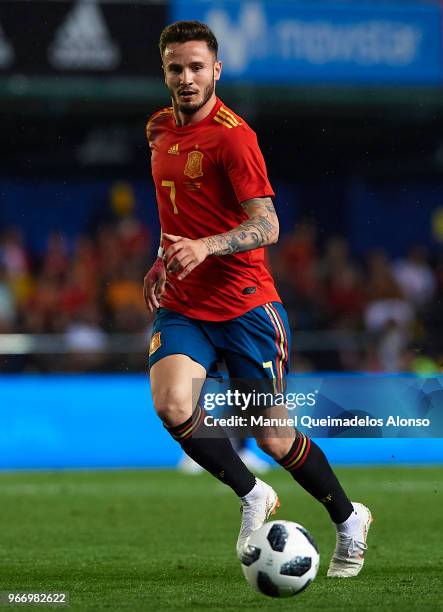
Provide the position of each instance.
(83, 41)
(174, 150)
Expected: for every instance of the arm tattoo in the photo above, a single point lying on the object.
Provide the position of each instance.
(259, 230)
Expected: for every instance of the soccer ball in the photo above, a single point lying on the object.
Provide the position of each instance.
(281, 559)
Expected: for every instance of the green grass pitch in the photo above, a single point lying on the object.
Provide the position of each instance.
(160, 540)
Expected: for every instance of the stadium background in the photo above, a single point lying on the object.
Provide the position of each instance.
(346, 99)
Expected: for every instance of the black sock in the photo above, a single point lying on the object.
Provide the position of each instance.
(308, 465)
(214, 454)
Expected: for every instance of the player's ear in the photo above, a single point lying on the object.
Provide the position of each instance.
(217, 70)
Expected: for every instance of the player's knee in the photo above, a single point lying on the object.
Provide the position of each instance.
(172, 406)
(275, 447)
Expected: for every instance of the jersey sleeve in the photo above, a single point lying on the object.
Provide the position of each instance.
(244, 165)
(155, 122)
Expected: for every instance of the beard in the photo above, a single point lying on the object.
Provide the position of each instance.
(190, 109)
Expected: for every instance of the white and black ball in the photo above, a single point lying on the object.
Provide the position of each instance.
(281, 559)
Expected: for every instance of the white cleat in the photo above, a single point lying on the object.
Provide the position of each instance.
(348, 557)
(256, 507)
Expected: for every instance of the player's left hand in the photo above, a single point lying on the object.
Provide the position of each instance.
(184, 255)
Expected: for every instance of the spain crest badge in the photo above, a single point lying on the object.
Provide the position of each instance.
(194, 164)
(155, 343)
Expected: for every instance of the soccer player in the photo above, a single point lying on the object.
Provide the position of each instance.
(214, 294)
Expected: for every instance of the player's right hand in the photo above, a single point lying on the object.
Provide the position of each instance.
(154, 284)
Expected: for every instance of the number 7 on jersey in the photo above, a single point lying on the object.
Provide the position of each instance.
(171, 186)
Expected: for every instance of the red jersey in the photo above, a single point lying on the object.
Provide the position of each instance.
(202, 173)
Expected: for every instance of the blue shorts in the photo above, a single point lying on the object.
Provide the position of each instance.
(254, 346)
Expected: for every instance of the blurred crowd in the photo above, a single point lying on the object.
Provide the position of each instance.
(384, 315)
(83, 290)
(97, 285)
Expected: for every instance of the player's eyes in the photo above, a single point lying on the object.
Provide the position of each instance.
(174, 69)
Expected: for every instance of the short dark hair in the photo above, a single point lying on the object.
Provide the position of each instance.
(184, 31)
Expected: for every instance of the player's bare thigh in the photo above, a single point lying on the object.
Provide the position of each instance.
(173, 391)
